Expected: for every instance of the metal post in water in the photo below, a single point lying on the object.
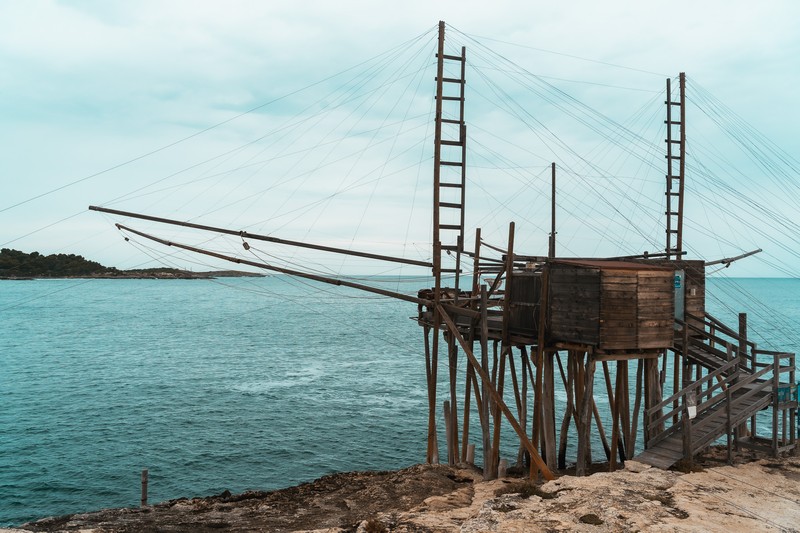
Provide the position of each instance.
(144, 488)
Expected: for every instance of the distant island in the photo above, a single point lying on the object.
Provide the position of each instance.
(15, 264)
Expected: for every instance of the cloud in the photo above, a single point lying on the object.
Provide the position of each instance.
(89, 85)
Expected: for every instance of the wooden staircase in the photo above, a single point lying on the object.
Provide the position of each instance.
(741, 380)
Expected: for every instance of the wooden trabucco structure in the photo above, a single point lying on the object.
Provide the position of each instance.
(529, 326)
(551, 323)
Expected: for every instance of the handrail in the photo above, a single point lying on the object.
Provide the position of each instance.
(759, 351)
(733, 362)
(710, 336)
(719, 325)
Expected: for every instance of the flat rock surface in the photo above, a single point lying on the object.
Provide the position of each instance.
(762, 495)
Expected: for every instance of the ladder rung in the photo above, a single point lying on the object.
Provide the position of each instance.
(450, 247)
(671, 141)
(672, 193)
(453, 58)
(450, 270)
(672, 231)
(451, 143)
(451, 163)
(450, 204)
(672, 122)
(455, 185)
(453, 80)
(674, 177)
(673, 103)
(672, 156)
(449, 226)
(452, 98)
(451, 121)
(671, 213)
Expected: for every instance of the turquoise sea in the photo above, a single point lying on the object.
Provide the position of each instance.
(246, 383)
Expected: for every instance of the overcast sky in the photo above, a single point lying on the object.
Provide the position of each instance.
(89, 86)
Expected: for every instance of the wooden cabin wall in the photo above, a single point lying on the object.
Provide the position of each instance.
(655, 310)
(526, 293)
(695, 294)
(636, 309)
(618, 309)
(574, 304)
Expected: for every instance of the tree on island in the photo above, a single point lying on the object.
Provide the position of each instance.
(14, 263)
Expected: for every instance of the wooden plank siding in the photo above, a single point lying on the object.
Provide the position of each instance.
(574, 304)
(612, 305)
(526, 294)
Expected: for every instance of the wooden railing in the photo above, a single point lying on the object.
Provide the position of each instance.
(743, 382)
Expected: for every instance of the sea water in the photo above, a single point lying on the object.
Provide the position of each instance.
(231, 384)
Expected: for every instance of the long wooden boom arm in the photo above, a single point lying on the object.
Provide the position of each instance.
(255, 236)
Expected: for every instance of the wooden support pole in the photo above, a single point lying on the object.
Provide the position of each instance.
(564, 434)
(497, 397)
(551, 253)
(498, 411)
(636, 408)
(432, 456)
(518, 399)
(601, 431)
(526, 363)
(615, 422)
(728, 428)
(585, 414)
(652, 387)
(448, 428)
(741, 430)
(625, 411)
(144, 487)
(465, 427)
(487, 444)
(548, 412)
(452, 355)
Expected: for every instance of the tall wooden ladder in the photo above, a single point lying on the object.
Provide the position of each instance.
(449, 163)
(676, 152)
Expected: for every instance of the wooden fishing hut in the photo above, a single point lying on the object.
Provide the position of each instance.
(597, 312)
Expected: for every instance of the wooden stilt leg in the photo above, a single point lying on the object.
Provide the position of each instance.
(584, 414)
(548, 413)
(452, 353)
(563, 436)
(637, 406)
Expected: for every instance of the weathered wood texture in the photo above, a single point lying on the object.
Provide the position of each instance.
(612, 305)
(525, 298)
(574, 304)
(694, 280)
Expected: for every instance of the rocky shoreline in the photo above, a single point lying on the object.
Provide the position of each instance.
(754, 494)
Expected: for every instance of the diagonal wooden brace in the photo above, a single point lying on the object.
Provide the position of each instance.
(535, 457)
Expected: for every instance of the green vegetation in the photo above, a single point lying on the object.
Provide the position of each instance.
(19, 265)
(16, 264)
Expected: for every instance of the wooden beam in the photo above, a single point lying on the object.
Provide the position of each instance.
(496, 396)
(259, 237)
